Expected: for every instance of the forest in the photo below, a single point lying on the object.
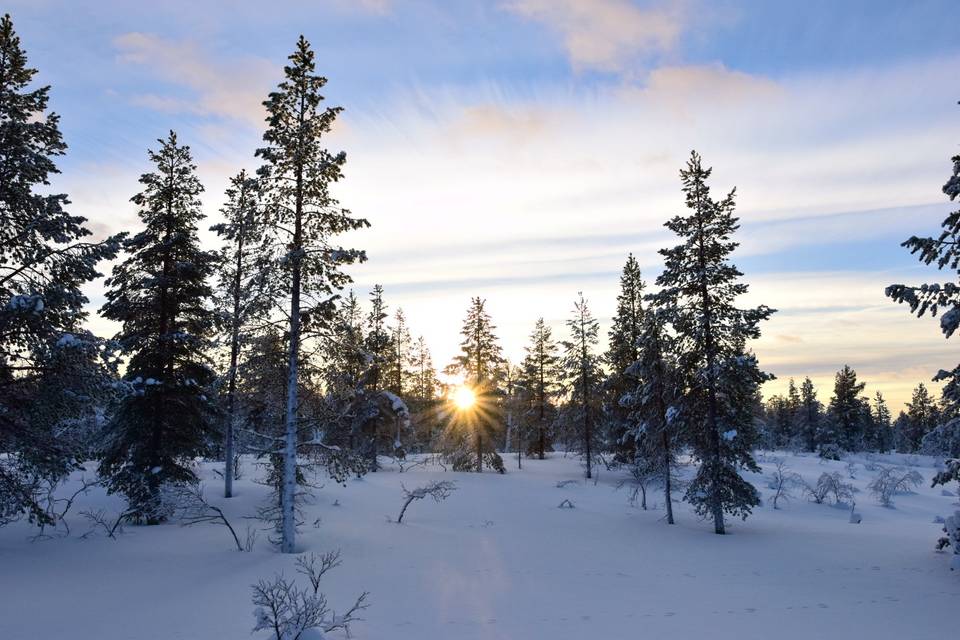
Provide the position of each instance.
(254, 368)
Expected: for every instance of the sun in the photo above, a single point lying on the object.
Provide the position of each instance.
(464, 397)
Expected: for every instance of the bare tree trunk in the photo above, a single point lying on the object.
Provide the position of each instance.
(666, 478)
(289, 491)
(234, 356)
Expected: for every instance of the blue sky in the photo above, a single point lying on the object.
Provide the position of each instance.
(518, 149)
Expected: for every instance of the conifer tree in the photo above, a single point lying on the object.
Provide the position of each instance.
(699, 287)
(655, 418)
(378, 336)
(425, 385)
(809, 416)
(52, 372)
(239, 291)
(882, 424)
(304, 219)
(922, 418)
(623, 352)
(160, 296)
(540, 373)
(398, 368)
(479, 362)
(940, 298)
(582, 377)
(848, 412)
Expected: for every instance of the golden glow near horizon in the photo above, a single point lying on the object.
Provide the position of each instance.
(464, 397)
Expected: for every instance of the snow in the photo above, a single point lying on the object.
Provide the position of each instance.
(499, 560)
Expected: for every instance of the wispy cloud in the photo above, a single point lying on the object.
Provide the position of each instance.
(606, 35)
(234, 90)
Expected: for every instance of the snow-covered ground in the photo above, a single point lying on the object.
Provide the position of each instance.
(500, 560)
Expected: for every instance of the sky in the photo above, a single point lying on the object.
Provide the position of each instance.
(518, 150)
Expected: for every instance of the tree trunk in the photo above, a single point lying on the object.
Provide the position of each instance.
(666, 478)
(234, 356)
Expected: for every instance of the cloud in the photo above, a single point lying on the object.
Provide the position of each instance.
(233, 91)
(605, 35)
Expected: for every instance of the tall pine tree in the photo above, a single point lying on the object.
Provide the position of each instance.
(160, 296)
(51, 371)
(699, 288)
(940, 298)
(582, 373)
(847, 414)
(655, 419)
(621, 353)
(239, 291)
(480, 363)
(304, 217)
(540, 383)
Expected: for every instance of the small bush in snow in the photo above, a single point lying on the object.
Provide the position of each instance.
(438, 490)
(891, 481)
(288, 612)
(830, 484)
(783, 481)
(830, 451)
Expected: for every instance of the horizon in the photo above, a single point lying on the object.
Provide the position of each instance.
(520, 150)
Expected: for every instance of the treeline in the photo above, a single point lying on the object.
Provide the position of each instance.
(852, 422)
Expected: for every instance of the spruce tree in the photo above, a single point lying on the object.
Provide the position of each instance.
(378, 336)
(540, 382)
(621, 353)
(809, 416)
(922, 418)
(655, 419)
(847, 414)
(699, 287)
(881, 418)
(160, 296)
(53, 374)
(424, 385)
(239, 291)
(940, 298)
(398, 367)
(582, 377)
(479, 362)
(304, 219)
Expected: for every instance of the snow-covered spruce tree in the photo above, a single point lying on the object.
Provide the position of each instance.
(423, 398)
(240, 292)
(377, 345)
(621, 353)
(654, 420)
(940, 298)
(540, 382)
(882, 425)
(809, 416)
(699, 288)
(303, 217)
(398, 366)
(480, 364)
(398, 381)
(350, 403)
(52, 374)
(160, 296)
(922, 418)
(848, 414)
(582, 380)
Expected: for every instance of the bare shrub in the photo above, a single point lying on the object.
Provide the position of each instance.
(830, 484)
(783, 481)
(289, 611)
(438, 490)
(891, 481)
(193, 508)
